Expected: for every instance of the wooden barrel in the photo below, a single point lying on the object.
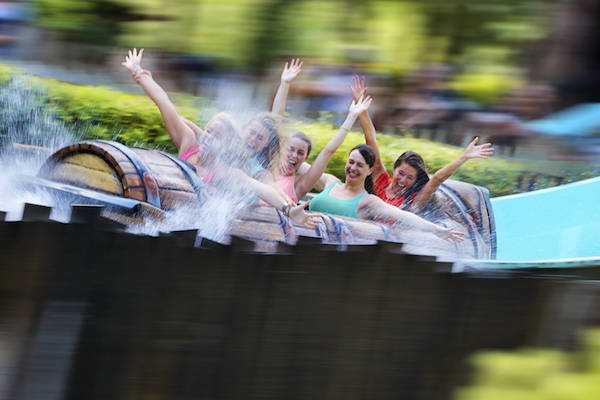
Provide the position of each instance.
(147, 175)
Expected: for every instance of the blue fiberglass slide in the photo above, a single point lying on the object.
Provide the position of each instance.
(560, 223)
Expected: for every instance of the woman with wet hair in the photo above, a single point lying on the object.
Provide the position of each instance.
(355, 198)
(262, 145)
(198, 146)
(410, 187)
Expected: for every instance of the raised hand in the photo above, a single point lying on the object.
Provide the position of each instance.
(450, 234)
(299, 215)
(133, 61)
(474, 151)
(291, 70)
(360, 105)
(358, 87)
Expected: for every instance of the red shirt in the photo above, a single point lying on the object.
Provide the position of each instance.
(382, 183)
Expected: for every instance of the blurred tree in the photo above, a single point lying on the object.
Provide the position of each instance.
(91, 22)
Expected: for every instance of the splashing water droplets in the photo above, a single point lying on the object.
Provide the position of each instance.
(30, 133)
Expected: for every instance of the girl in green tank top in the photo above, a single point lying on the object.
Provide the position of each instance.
(323, 202)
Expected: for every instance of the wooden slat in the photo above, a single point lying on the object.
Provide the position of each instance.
(87, 178)
(170, 199)
(262, 214)
(137, 193)
(149, 156)
(88, 160)
(366, 229)
(267, 231)
(133, 180)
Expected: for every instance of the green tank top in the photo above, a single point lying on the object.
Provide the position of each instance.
(323, 202)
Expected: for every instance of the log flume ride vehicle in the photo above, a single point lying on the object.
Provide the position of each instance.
(136, 185)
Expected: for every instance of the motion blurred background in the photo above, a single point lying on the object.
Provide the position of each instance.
(89, 313)
(444, 70)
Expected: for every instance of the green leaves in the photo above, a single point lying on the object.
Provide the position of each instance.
(537, 374)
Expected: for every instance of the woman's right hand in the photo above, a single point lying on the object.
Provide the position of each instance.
(299, 215)
(291, 70)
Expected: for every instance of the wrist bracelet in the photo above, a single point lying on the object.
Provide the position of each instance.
(286, 210)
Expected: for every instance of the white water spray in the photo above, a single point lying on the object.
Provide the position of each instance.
(30, 133)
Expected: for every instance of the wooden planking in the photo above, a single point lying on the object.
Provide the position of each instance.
(153, 157)
(366, 229)
(89, 160)
(137, 193)
(170, 199)
(261, 214)
(171, 178)
(133, 180)
(85, 177)
(267, 231)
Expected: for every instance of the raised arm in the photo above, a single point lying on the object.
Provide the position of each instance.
(359, 89)
(372, 207)
(306, 181)
(181, 134)
(472, 151)
(290, 72)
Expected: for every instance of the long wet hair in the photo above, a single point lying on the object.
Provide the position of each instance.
(416, 161)
(228, 145)
(368, 154)
(268, 157)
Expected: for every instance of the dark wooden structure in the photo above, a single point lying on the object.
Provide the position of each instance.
(89, 311)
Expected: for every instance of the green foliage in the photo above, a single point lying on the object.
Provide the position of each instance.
(498, 175)
(391, 36)
(484, 87)
(537, 374)
(98, 112)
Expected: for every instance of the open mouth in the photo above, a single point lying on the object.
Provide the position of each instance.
(352, 175)
(401, 188)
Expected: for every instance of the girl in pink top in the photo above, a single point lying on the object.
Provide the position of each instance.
(296, 186)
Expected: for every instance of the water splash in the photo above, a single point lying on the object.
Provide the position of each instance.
(29, 133)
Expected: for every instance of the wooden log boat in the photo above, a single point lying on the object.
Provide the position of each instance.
(136, 183)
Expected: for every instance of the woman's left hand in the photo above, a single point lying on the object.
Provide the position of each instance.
(360, 105)
(358, 88)
(299, 215)
(450, 234)
(133, 61)
(474, 151)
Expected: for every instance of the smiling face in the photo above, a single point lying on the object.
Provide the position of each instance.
(297, 153)
(256, 137)
(404, 177)
(357, 168)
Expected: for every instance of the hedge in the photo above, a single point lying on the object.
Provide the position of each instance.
(100, 112)
(539, 374)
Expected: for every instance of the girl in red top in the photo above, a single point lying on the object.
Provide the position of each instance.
(409, 187)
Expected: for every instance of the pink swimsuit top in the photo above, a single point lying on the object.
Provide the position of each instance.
(286, 184)
(189, 153)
